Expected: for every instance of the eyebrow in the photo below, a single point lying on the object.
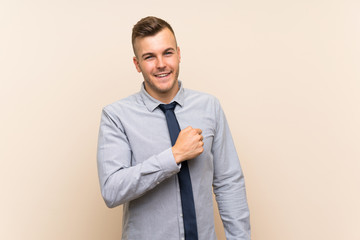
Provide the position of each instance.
(150, 53)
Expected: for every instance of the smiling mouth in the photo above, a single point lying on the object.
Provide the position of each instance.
(162, 75)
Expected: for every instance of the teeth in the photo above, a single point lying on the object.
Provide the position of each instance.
(162, 75)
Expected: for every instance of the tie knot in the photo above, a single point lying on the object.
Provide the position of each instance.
(166, 107)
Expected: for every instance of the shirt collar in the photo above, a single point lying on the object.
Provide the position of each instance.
(152, 103)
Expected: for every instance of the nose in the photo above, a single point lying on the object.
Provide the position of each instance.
(160, 63)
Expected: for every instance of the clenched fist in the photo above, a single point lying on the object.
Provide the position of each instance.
(188, 145)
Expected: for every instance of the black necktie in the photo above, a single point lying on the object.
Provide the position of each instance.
(187, 198)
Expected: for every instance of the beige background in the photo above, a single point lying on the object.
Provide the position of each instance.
(286, 72)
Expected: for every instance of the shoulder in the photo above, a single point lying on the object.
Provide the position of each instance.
(194, 94)
(201, 98)
(121, 105)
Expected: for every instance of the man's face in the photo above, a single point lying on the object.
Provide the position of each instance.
(158, 58)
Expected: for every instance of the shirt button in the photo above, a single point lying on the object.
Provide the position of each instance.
(182, 238)
(181, 215)
(157, 182)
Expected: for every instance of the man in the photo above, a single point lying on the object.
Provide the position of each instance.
(165, 183)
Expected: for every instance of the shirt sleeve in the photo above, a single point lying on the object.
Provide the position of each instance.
(121, 182)
(228, 182)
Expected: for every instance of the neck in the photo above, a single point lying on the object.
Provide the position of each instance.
(164, 97)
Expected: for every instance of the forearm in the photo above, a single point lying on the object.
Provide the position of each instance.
(229, 189)
(128, 183)
(233, 208)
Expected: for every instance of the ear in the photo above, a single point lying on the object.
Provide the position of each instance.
(178, 52)
(136, 63)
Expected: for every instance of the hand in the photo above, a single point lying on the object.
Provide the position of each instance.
(188, 145)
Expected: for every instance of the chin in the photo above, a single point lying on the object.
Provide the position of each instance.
(161, 86)
(165, 86)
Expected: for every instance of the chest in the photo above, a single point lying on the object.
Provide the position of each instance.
(148, 133)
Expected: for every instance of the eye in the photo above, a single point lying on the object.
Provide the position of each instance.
(148, 57)
(168, 53)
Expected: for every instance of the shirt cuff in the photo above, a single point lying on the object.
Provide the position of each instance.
(167, 162)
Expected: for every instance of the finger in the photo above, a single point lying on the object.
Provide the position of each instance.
(188, 128)
(198, 130)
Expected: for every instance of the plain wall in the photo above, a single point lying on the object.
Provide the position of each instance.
(286, 72)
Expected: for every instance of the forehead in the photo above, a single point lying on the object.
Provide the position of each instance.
(162, 40)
